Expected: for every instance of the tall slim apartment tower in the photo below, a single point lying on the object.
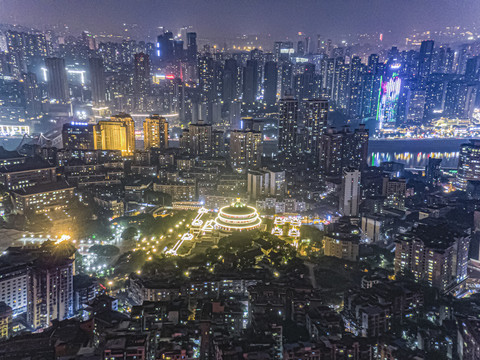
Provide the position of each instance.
(331, 153)
(270, 83)
(316, 113)
(425, 61)
(33, 103)
(245, 150)
(350, 195)
(52, 292)
(250, 83)
(432, 171)
(118, 133)
(192, 46)
(287, 127)
(141, 80)
(230, 80)
(155, 132)
(57, 79)
(97, 78)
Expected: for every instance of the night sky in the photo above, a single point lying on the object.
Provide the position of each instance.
(331, 18)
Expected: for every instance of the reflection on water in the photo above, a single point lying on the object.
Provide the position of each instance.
(414, 160)
(415, 153)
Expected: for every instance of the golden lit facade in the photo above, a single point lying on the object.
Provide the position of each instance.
(5, 321)
(155, 132)
(118, 133)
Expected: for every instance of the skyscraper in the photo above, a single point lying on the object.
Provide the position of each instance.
(16, 49)
(206, 72)
(435, 96)
(287, 127)
(231, 80)
(471, 69)
(387, 111)
(270, 83)
(165, 46)
(308, 40)
(141, 80)
(155, 132)
(33, 104)
(250, 84)
(372, 63)
(304, 82)
(283, 50)
(118, 133)
(468, 164)
(355, 147)
(57, 79)
(178, 52)
(425, 61)
(300, 48)
(415, 106)
(97, 79)
(245, 150)
(287, 76)
(432, 171)
(316, 113)
(320, 45)
(192, 46)
(52, 289)
(330, 153)
(350, 194)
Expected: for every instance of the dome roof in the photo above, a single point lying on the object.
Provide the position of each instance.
(238, 217)
(241, 209)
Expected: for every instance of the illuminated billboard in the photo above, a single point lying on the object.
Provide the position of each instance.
(388, 102)
(159, 77)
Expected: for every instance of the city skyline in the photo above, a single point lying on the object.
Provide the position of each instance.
(239, 180)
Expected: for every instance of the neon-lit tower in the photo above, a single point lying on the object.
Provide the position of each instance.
(388, 100)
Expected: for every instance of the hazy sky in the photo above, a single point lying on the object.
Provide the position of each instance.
(229, 17)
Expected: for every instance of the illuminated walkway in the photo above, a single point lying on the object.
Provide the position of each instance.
(197, 222)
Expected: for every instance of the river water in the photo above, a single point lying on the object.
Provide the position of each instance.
(415, 153)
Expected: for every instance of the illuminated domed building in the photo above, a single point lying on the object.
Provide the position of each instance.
(238, 217)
